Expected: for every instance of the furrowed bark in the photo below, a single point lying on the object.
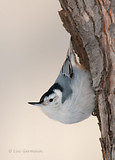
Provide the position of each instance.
(91, 24)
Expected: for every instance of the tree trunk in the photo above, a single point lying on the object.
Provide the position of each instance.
(91, 24)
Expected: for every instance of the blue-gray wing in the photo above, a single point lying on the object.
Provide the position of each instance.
(65, 78)
(67, 69)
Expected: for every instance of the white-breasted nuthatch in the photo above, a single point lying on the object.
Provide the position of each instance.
(71, 98)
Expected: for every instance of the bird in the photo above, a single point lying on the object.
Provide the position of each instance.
(71, 98)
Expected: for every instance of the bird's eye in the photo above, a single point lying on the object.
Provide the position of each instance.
(50, 100)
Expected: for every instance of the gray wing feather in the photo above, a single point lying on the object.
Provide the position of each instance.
(65, 78)
(67, 68)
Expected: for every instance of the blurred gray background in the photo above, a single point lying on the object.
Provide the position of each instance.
(33, 45)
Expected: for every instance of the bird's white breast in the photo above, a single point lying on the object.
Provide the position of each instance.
(79, 105)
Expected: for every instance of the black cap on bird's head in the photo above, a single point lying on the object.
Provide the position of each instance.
(49, 92)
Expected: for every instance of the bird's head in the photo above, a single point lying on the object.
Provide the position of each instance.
(51, 100)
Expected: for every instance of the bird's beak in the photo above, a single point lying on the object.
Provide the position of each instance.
(35, 103)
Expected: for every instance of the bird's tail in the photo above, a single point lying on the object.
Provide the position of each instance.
(70, 62)
(72, 55)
